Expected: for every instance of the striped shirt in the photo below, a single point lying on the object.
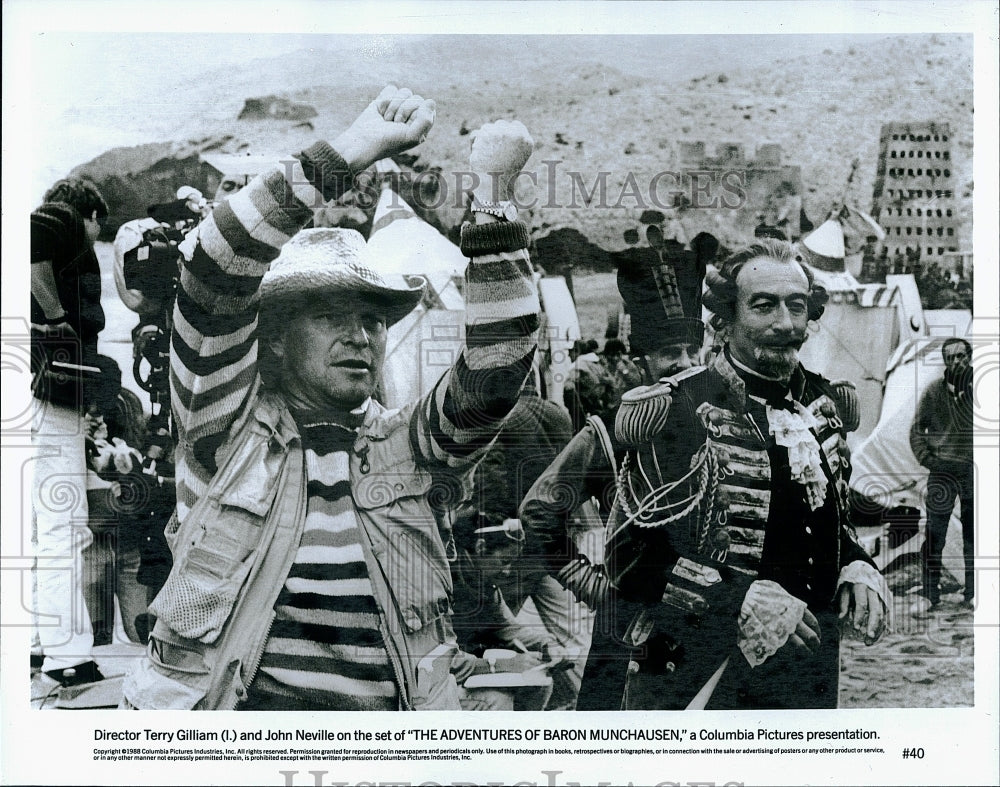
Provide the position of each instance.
(325, 640)
(325, 650)
(213, 359)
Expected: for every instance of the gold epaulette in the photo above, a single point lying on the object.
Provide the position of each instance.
(643, 411)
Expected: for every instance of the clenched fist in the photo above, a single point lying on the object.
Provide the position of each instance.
(395, 121)
(499, 151)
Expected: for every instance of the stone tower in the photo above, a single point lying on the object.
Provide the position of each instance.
(914, 195)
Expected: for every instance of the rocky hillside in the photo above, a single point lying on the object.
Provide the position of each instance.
(617, 105)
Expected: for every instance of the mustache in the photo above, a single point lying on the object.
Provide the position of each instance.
(791, 342)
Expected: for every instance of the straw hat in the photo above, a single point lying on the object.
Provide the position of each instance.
(335, 260)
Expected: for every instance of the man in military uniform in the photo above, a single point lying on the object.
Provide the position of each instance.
(660, 285)
(730, 539)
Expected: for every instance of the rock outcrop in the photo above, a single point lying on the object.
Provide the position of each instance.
(133, 178)
(275, 108)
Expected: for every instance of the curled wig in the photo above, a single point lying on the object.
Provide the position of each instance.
(721, 295)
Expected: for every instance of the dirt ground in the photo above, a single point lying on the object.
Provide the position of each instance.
(927, 661)
(924, 663)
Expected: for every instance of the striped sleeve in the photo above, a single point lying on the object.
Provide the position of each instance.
(213, 358)
(461, 416)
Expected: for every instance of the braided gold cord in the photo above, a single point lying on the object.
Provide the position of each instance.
(704, 467)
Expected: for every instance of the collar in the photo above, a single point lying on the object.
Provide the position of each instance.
(350, 421)
(775, 393)
(746, 372)
(271, 411)
(736, 379)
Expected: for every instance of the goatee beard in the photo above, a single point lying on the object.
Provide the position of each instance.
(777, 362)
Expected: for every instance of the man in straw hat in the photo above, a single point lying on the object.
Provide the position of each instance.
(309, 572)
(730, 537)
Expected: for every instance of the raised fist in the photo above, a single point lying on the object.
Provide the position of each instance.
(395, 121)
(499, 151)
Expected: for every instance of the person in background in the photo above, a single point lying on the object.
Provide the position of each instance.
(661, 292)
(485, 624)
(115, 502)
(533, 434)
(941, 439)
(588, 385)
(625, 374)
(66, 318)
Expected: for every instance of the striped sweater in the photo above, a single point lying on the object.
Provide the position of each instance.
(325, 650)
(320, 652)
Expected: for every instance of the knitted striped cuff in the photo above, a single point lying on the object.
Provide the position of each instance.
(495, 237)
(326, 170)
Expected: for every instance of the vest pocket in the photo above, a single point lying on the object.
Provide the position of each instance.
(406, 541)
(422, 590)
(205, 581)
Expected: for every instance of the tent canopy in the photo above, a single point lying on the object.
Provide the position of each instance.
(403, 243)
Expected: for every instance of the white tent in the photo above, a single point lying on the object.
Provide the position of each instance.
(861, 328)
(427, 342)
(863, 324)
(560, 329)
(402, 243)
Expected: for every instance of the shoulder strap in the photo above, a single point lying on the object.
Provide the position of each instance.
(604, 440)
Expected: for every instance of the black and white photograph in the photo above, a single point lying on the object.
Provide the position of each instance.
(621, 369)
